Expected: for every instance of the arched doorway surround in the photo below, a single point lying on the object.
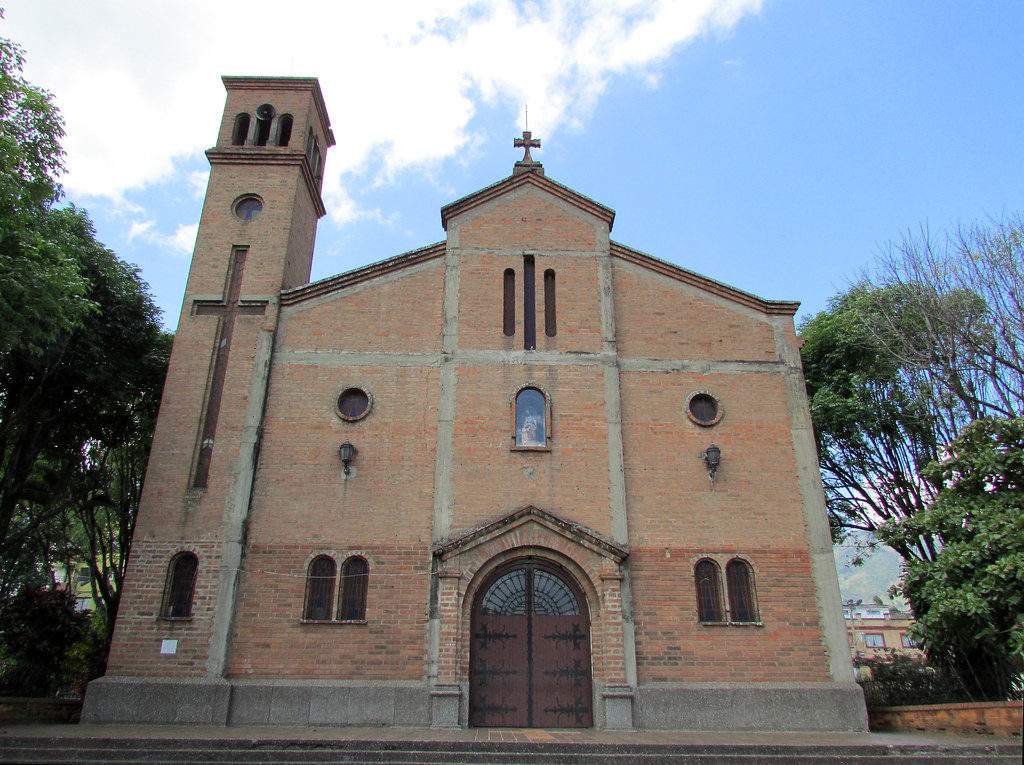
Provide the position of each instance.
(529, 663)
(466, 564)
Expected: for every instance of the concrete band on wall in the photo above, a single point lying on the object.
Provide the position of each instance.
(698, 706)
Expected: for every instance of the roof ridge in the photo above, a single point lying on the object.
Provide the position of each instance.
(363, 273)
(515, 180)
(784, 307)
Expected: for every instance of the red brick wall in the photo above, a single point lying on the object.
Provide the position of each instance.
(173, 517)
(135, 649)
(571, 479)
(271, 641)
(658, 318)
(672, 646)
(1000, 718)
(577, 299)
(528, 219)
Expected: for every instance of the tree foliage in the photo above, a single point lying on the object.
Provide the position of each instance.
(875, 426)
(82, 362)
(969, 599)
(965, 291)
(38, 629)
(42, 293)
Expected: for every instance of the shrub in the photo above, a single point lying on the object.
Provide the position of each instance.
(900, 681)
(38, 628)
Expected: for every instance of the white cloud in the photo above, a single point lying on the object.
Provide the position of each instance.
(139, 82)
(197, 182)
(181, 242)
(139, 228)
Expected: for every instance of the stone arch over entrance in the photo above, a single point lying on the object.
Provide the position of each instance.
(530, 663)
(467, 563)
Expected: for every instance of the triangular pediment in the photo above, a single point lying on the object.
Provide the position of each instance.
(536, 180)
(554, 524)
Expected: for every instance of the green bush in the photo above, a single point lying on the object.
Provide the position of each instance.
(38, 629)
(901, 681)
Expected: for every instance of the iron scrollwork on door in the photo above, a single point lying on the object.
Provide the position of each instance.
(530, 653)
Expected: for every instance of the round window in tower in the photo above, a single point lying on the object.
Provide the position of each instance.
(354, 404)
(248, 208)
(703, 408)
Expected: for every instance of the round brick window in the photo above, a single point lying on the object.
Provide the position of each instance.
(703, 408)
(248, 208)
(353, 404)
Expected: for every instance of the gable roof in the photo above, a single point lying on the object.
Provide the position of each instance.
(701, 282)
(359, 275)
(575, 532)
(537, 180)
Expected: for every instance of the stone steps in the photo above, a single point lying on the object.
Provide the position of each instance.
(68, 749)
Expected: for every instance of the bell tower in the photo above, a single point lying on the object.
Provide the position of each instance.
(255, 238)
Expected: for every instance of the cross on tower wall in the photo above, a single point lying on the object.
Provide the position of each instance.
(199, 478)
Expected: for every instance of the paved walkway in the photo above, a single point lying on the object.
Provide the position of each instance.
(577, 736)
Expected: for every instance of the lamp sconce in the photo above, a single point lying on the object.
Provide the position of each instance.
(712, 457)
(347, 452)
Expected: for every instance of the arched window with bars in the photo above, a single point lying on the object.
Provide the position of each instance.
(241, 129)
(319, 589)
(709, 591)
(181, 584)
(355, 574)
(742, 601)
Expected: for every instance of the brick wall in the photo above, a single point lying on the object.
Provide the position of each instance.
(999, 718)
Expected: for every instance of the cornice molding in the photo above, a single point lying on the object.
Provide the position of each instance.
(261, 155)
(311, 84)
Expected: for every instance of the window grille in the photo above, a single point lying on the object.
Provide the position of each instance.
(181, 581)
(709, 589)
(319, 589)
(740, 579)
(352, 603)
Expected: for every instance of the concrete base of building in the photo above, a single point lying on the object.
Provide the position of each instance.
(751, 707)
(694, 707)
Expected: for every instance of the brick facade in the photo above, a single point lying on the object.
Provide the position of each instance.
(436, 498)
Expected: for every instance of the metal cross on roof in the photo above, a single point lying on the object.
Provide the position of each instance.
(526, 142)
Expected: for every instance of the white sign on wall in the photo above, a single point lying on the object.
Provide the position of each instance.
(168, 647)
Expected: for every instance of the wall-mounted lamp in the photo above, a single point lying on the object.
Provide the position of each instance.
(712, 457)
(347, 452)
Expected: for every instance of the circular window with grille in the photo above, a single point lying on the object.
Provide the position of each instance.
(248, 207)
(703, 408)
(354, 404)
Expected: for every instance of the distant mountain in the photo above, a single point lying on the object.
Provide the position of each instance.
(875, 576)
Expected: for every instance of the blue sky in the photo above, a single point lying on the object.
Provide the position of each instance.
(772, 145)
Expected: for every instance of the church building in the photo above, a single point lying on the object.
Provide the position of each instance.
(525, 476)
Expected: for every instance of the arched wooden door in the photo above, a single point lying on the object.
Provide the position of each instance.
(529, 662)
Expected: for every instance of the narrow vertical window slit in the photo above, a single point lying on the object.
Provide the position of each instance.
(529, 304)
(549, 303)
(508, 321)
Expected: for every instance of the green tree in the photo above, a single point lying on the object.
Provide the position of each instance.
(42, 293)
(82, 362)
(38, 628)
(969, 598)
(875, 422)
